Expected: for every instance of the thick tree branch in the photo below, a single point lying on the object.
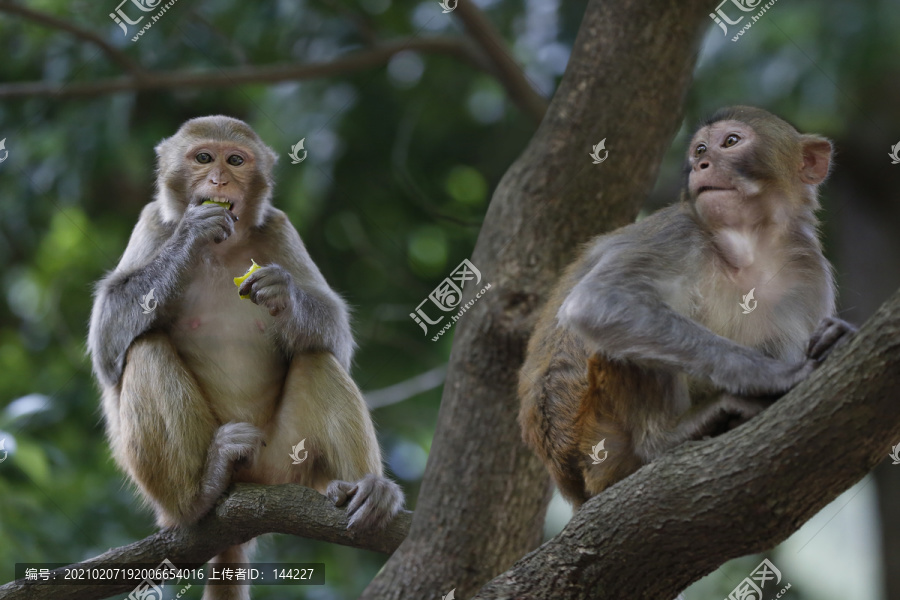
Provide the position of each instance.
(683, 516)
(120, 58)
(356, 61)
(631, 64)
(247, 512)
(505, 68)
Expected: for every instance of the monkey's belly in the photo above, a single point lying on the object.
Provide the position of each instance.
(235, 361)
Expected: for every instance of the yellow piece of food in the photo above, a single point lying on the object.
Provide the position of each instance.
(239, 280)
(225, 205)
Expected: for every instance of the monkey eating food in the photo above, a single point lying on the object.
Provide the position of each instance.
(645, 342)
(207, 389)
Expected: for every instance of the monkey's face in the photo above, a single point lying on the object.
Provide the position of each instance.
(724, 173)
(750, 166)
(215, 158)
(221, 171)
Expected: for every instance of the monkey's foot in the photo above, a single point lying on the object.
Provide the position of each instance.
(238, 442)
(373, 500)
(826, 336)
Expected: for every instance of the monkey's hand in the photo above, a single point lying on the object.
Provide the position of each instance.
(829, 332)
(774, 377)
(206, 223)
(269, 286)
(373, 503)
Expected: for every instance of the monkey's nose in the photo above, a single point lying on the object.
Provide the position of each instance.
(704, 164)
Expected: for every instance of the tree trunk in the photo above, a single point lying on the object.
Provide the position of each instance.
(484, 493)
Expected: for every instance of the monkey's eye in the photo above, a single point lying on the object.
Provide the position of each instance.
(701, 148)
(203, 158)
(731, 140)
(235, 160)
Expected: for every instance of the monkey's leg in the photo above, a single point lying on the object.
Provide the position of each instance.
(232, 556)
(166, 438)
(322, 405)
(617, 460)
(717, 417)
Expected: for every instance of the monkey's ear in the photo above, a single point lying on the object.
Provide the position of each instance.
(816, 153)
(161, 147)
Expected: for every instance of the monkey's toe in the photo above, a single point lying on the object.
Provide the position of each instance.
(826, 336)
(373, 501)
(239, 441)
(340, 491)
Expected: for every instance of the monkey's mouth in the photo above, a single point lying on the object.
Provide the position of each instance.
(226, 204)
(710, 188)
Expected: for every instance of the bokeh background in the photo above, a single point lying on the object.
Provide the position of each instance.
(403, 158)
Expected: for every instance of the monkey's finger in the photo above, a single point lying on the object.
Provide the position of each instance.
(268, 274)
(226, 229)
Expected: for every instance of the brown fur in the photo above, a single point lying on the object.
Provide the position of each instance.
(642, 344)
(208, 388)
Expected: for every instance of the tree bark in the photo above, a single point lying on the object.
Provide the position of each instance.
(484, 493)
(247, 512)
(681, 517)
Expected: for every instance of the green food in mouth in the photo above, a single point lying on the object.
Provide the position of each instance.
(225, 205)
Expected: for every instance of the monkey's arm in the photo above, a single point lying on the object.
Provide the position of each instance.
(155, 259)
(309, 314)
(623, 307)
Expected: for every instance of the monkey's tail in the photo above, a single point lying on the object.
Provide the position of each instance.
(234, 554)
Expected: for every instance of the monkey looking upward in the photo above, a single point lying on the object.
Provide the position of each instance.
(208, 388)
(644, 343)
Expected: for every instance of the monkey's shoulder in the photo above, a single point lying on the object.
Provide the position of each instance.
(661, 247)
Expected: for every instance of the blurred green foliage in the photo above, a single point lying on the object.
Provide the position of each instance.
(402, 162)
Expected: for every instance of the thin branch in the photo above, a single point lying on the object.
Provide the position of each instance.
(494, 60)
(684, 515)
(364, 59)
(118, 57)
(361, 22)
(505, 68)
(235, 49)
(403, 176)
(406, 389)
(249, 511)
